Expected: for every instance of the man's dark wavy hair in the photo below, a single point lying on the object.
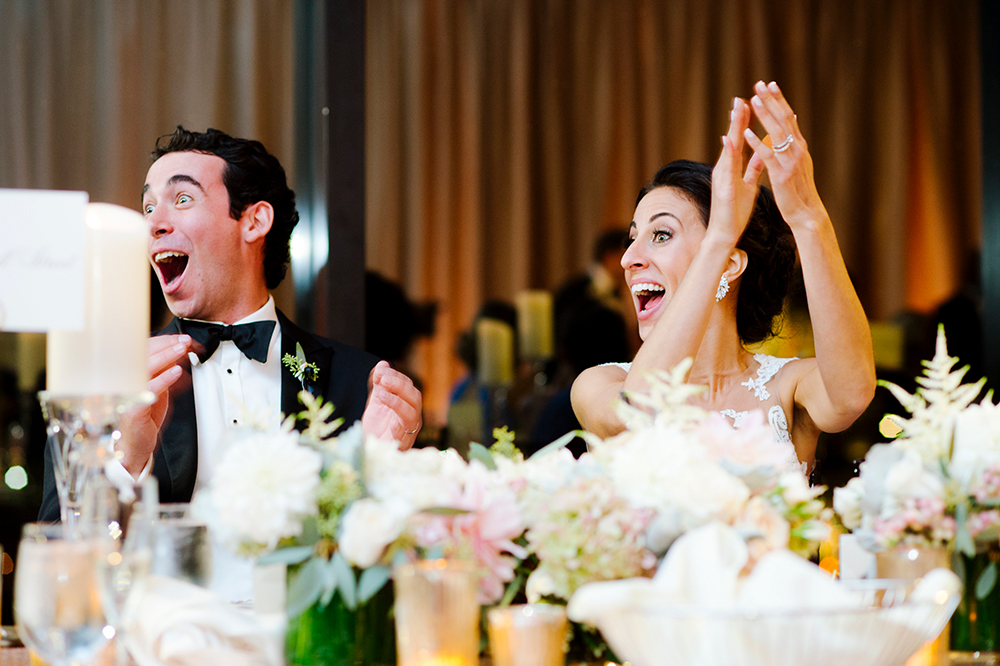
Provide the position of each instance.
(252, 174)
(767, 241)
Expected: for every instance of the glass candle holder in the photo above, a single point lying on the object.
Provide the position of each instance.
(909, 563)
(528, 635)
(437, 615)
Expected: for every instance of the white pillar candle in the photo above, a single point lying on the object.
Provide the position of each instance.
(535, 324)
(108, 357)
(494, 352)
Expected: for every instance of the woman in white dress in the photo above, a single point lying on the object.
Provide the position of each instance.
(708, 263)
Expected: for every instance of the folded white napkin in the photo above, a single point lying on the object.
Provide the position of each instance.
(700, 609)
(180, 624)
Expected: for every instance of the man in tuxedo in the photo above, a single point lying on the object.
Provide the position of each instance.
(220, 218)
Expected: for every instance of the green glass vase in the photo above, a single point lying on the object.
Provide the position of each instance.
(334, 635)
(975, 626)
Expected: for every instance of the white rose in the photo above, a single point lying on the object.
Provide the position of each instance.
(795, 488)
(908, 478)
(977, 442)
(368, 527)
(847, 503)
(873, 472)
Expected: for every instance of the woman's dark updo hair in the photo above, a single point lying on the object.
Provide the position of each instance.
(767, 241)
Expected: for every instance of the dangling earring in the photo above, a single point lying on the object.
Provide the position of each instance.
(723, 289)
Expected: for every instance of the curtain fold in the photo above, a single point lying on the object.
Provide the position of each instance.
(536, 123)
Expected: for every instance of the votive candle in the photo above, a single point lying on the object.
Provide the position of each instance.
(535, 324)
(494, 352)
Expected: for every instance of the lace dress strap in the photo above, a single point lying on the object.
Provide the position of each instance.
(768, 367)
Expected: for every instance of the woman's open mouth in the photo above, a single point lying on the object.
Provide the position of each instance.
(648, 295)
(171, 266)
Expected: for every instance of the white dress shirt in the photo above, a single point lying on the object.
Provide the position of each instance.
(232, 396)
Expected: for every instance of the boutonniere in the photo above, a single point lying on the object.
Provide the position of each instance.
(301, 369)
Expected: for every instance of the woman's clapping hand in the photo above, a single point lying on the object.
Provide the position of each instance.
(789, 164)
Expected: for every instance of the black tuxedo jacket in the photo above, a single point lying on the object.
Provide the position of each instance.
(342, 380)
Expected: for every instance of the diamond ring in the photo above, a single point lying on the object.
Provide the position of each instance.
(784, 145)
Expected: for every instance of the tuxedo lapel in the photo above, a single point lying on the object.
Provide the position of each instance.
(176, 463)
(315, 351)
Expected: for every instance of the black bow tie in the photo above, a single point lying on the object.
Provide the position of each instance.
(253, 339)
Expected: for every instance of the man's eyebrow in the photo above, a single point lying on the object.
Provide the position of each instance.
(183, 178)
(177, 178)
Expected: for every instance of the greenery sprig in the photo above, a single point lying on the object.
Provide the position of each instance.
(301, 369)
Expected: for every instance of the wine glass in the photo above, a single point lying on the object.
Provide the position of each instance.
(57, 601)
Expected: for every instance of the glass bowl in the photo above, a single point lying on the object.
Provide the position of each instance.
(885, 629)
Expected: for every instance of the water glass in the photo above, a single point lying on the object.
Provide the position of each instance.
(181, 546)
(57, 601)
(437, 615)
(527, 635)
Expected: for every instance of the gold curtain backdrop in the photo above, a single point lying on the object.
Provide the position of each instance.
(86, 86)
(504, 135)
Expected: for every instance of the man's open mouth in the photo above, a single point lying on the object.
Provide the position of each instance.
(171, 264)
(648, 294)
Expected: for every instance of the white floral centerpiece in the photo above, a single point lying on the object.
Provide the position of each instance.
(617, 509)
(938, 482)
(345, 509)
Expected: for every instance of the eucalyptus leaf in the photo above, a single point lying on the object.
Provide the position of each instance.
(330, 584)
(310, 532)
(987, 580)
(294, 555)
(435, 552)
(479, 452)
(444, 511)
(345, 580)
(399, 559)
(963, 540)
(558, 444)
(958, 565)
(300, 355)
(305, 587)
(372, 580)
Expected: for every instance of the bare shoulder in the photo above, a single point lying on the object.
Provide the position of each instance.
(600, 376)
(594, 395)
(790, 379)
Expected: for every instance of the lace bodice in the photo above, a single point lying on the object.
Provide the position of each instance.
(768, 367)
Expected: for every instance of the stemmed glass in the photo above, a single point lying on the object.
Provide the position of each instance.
(124, 557)
(57, 603)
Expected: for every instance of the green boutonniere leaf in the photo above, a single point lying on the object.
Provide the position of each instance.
(301, 369)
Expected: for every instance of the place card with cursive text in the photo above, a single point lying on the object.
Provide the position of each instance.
(42, 260)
